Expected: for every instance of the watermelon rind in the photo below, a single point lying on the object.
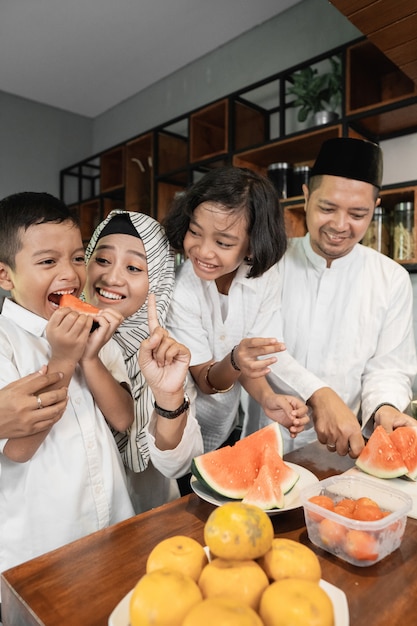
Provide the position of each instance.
(380, 458)
(404, 439)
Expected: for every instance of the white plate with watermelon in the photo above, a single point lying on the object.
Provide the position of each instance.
(291, 499)
(253, 470)
(120, 615)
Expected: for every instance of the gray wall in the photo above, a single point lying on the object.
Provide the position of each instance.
(36, 142)
(300, 33)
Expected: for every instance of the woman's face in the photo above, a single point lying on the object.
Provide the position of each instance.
(117, 274)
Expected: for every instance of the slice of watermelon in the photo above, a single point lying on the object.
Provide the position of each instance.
(78, 305)
(281, 474)
(230, 471)
(380, 457)
(265, 492)
(404, 439)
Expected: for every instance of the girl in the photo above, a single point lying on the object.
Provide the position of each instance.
(128, 257)
(230, 227)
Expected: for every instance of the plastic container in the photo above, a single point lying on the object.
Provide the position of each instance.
(404, 240)
(341, 535)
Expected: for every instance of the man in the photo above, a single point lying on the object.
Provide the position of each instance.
(347, 310)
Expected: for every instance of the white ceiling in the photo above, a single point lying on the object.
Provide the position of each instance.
(86, 56)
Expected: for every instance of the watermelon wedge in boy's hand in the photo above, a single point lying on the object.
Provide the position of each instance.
(72, 302)
(390, 455)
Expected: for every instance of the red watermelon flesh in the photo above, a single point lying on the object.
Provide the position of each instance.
(232, 470)
(380, 457)
(404, 439)
(281, 473)
(265, 492)
(78, 305)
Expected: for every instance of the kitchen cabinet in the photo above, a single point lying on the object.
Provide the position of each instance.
(253, 128)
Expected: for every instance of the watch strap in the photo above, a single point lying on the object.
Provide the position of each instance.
(170, 415)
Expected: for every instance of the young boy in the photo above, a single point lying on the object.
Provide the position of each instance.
(67, 480)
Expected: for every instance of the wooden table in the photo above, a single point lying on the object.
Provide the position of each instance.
(81, 583)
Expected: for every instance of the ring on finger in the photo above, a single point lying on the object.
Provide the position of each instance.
(39, 401)
(331, 446)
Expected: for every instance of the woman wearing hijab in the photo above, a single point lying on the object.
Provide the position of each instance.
(128, 258)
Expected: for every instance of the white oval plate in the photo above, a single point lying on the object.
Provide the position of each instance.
(120, 615)
(291, 499)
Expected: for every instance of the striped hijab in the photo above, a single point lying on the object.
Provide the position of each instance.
(160, 258)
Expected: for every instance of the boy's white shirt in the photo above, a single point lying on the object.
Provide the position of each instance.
(75, 482)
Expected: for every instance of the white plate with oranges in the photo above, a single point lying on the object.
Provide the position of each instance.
(120, 615)
(252, 574)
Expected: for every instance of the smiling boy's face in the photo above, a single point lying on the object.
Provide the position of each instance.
(49, 263)
(117, 274)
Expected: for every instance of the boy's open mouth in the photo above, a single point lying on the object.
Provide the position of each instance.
(55, 297)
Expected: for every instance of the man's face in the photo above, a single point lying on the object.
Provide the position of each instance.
(338, 214)
(49, 264)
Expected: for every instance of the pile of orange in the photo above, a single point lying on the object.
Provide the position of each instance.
(250, 579)
(361, 545)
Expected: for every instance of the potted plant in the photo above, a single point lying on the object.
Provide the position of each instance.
(317, 92)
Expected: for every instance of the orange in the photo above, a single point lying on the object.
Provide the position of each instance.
(320, 500)
(346, 503)
(331, 533)
(180, 553)
(344, 509)
(163, 598)
(367, 513)
(240, 531)
(289, 559)
(325, 501)
(221, 612)
(243, 581)
(361, 545)
(295, 602)
(368, 501)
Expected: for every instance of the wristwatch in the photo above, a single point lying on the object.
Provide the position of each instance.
(170, 415)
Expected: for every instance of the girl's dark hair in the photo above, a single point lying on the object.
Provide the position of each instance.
(22, 210)
(240, 190)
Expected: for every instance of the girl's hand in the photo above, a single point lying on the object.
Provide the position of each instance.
(289, 411)
(246, 355)
(164, 362)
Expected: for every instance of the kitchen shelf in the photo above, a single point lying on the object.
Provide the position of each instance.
(139, 174)
(209, 131)
(112, 168)
(253, 127)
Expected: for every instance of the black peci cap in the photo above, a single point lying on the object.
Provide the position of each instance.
(350, 158)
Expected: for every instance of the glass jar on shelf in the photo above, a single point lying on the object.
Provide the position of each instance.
(404, 239)
(280, 175)
(378, 234)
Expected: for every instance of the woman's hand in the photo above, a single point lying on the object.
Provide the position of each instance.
(28, 408)
(164, 362)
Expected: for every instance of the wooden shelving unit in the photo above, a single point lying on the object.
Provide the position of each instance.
(250, 128)
(112, 170)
